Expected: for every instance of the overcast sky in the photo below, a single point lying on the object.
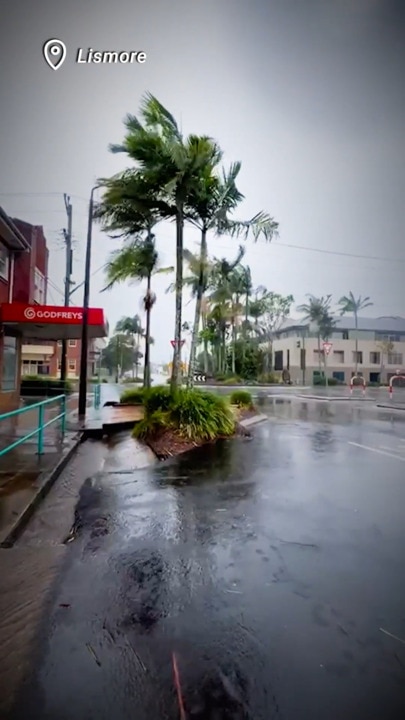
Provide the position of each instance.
(307, 94)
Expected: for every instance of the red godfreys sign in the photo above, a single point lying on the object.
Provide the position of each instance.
(47, 314)
(33, 314)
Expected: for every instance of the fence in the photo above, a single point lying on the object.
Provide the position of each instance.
(41, 424)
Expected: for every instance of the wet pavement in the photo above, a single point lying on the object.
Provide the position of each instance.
(258, 579)
(21, 469)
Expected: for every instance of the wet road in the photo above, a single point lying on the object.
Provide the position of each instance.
(270, 567)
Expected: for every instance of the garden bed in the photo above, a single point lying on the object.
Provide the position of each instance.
(169, 443)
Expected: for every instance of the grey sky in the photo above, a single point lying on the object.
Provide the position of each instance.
(309, 95)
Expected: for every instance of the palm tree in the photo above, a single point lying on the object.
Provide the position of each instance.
(385, 347)
(132, 327)
(137, 260)
(210, 206)
(222, 283)
(171, 168)
(317, 311)
(349, 304)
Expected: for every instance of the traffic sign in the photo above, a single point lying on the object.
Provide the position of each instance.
(327, 347)
(173, 343)
(199, 378)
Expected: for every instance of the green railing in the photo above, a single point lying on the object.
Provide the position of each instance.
(97, 396)
(42, 425)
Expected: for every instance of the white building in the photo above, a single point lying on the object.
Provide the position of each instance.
(380, 342)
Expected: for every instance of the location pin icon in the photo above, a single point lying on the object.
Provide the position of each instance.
(54, 53)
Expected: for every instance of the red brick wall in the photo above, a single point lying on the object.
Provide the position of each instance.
(73, 354)
(4, 285)
(3, 291)
(25, 263)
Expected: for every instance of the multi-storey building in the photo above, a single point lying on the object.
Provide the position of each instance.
(380, 349)
(13, 247)
(30, 329)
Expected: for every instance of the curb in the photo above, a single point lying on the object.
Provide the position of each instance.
(45, 481)
(253, 420)
(391, 407)
(325, 398)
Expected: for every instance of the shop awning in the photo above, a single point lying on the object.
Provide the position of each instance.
(52, 322)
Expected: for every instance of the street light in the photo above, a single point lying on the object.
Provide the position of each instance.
(85, 318)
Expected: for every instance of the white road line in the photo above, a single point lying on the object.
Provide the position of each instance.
(375, 450)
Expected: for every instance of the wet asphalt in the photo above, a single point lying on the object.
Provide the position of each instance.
(270, 570)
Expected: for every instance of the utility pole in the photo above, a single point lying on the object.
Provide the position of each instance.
(68, 274)
(85, 321)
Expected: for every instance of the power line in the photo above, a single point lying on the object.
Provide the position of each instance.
(283, 245)
(342, 254)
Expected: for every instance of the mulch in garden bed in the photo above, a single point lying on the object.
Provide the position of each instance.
(169, 443)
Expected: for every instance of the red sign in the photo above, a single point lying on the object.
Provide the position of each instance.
(18, 313)
(327, 347)
(173, 343)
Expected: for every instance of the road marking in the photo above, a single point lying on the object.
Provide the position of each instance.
(375, 450)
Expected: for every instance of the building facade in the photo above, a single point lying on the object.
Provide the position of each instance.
(30, 286)
(30, 329)
(13, 247)
(380, 350)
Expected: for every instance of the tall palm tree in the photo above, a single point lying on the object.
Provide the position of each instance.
(137, 260)
(222, 283)
(171, 167)
(317, 311)
(211, 205)
(132, 327)
(350, 304)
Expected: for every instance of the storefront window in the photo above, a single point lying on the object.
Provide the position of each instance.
(9, 374)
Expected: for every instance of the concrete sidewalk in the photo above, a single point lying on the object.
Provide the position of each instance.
(24, 475)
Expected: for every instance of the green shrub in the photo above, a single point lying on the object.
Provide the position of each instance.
(158, 398)
(232, 381)
(104, 380)
(201, 415)
(132, 396)
(242, 398)
(220, 377)
(40, 386)
(270, 378)
(151, 425)
(132, 381)
(321, 381)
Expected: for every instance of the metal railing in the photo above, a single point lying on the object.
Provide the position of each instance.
(42, 425)
(97, 396)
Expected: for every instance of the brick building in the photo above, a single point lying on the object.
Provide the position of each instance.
(30, 329)
(13, 246)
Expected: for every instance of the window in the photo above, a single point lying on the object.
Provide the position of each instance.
(278, 360)
(72, 343)
(39, 292)
(59, 343)
(374, 377)
(72, 365)
(4, 262)
(9, 374)
(59, 365)
(394, 359)
(375, 359)
(338, 357)
(359, 358)
(340, 376)
(345, 334)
